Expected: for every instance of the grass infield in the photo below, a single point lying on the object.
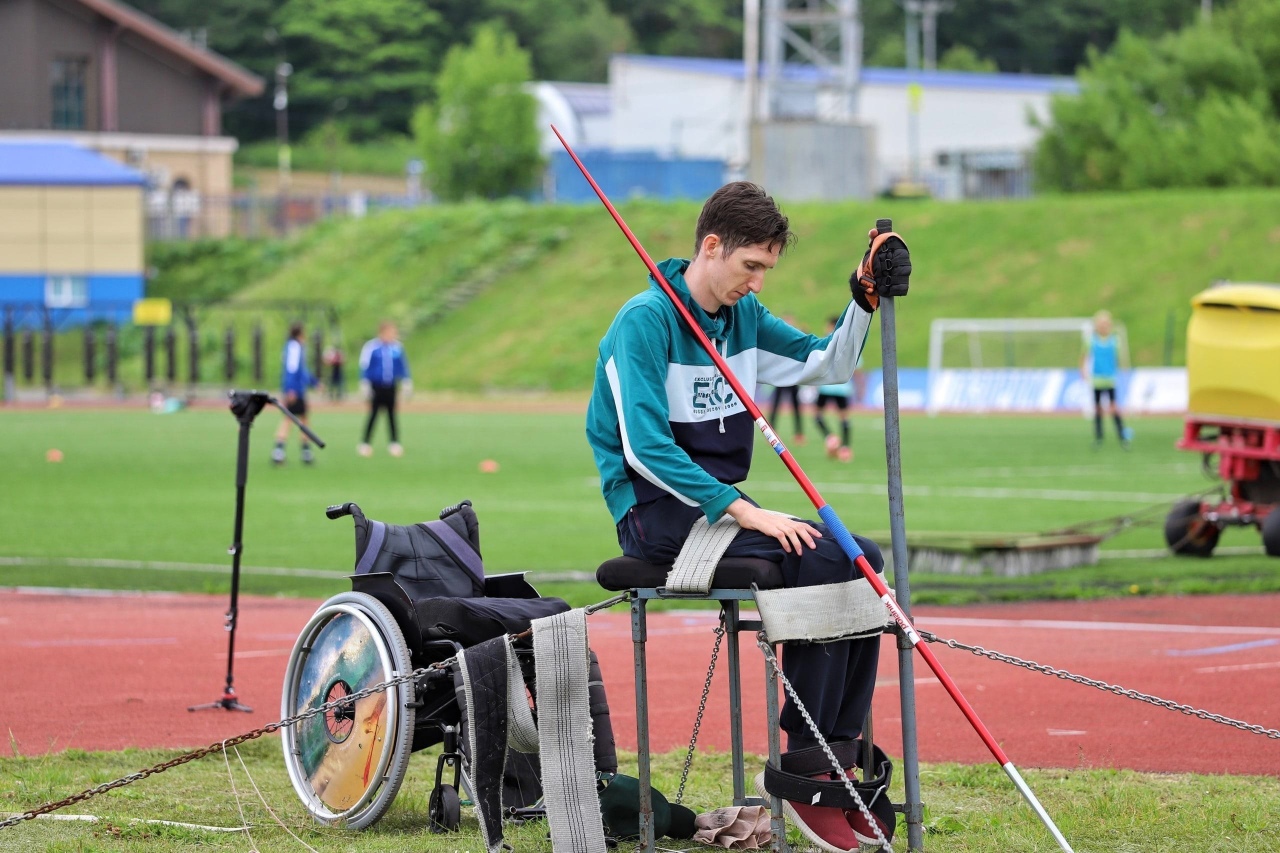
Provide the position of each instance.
(143, 501)
(967, 809)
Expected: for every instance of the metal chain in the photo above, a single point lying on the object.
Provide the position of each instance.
(765, 647)
(1102, 685)
(702, 706)
(270, 728)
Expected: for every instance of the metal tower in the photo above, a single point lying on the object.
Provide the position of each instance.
(825, 34)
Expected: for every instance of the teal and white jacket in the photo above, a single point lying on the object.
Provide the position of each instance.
(662, 420)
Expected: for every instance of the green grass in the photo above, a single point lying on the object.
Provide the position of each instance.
(967, 809)
(545, 280)
(139, 487)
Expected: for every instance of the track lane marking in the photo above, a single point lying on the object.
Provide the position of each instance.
(1077, 625)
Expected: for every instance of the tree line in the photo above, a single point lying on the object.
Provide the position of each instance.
(367, 64)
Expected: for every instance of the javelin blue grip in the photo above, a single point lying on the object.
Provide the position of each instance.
(843, 537)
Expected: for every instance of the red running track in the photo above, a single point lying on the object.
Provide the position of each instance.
(105, 672)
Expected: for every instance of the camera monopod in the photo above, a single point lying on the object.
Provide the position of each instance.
(837, 528)
(245, 405)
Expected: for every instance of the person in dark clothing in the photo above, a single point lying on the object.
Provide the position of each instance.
(782, 394)
(383, 368)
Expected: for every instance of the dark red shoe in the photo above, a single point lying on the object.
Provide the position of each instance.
(825, 826)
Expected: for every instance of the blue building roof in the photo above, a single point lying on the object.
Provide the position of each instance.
(61, 163)
(986, 81)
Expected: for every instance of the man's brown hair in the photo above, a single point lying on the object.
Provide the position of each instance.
(743, 214)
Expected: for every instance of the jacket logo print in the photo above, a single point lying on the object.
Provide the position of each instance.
(710, 394)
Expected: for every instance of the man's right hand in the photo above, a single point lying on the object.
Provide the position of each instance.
(366, 390)
(789, 531)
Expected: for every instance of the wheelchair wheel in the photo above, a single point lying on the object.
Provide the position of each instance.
(444, 809)
(347, 765)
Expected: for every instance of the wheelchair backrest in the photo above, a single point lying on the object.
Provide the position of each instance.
(429, 560)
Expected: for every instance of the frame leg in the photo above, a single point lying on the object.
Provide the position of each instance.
(639, 634)
(777, 823)
(730, 615)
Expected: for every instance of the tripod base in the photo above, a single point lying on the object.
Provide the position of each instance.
(228, 702)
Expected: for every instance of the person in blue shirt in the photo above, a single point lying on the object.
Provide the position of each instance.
(295, 381)
(1101, 363)
(672, 442)
(383, 367)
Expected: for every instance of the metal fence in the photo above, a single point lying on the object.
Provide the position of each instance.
(252, 215)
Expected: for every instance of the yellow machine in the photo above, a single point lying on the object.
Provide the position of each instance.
(1233, 352)
(1233, 379)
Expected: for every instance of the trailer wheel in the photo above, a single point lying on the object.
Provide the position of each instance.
(1271, 532)
(1189, 535)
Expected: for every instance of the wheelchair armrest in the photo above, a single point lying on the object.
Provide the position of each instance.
(512, 585)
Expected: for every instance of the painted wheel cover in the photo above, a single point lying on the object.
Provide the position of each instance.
(342, 753)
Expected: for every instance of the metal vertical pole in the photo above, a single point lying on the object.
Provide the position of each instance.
(257, 354)
(90, 353)
(112, 345)
(639, 635)
(46, 354)
(28, 356)
(149, 356)
(750, 77)
(10, 366)
(193, 352)
(913, 807)
(229, 366)
(171, 354)
(730, 613)
(777, 821)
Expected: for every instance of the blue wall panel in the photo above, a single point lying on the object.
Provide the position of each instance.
(634, 175)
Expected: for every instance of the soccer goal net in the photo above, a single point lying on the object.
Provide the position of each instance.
(1011, 344)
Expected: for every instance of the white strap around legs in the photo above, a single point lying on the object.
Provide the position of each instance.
(822, 614)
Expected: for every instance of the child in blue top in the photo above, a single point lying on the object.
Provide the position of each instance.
(1102, 364)
(382, 367)
(295, 381)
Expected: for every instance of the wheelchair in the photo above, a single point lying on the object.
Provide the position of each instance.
(419, 596)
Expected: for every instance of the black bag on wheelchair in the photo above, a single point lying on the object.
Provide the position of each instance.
(439, 566)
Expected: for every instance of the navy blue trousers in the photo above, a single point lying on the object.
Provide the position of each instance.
(835, 681)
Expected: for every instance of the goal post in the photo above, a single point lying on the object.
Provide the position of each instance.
(1011, 344)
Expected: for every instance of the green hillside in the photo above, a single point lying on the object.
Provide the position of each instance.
(516, 296)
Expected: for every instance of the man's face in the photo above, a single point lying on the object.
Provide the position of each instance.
(387, 333)
(733, 276)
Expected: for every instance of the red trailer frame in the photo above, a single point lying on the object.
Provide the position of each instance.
(1248, 454)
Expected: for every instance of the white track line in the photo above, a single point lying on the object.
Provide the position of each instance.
(165, 566)
(979, 493)
(1240, 667)
(88, 818)
(218, 568)
(1077, 625)
(97, 642)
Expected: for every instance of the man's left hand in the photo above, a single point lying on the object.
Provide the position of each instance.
(792, 533)
(888, 274)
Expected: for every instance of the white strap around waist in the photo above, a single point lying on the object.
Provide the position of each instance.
(696, 563)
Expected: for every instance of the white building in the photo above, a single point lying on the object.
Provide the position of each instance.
(578, 110)
(689, 107)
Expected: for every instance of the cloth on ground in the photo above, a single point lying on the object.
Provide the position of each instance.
(735, 828)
